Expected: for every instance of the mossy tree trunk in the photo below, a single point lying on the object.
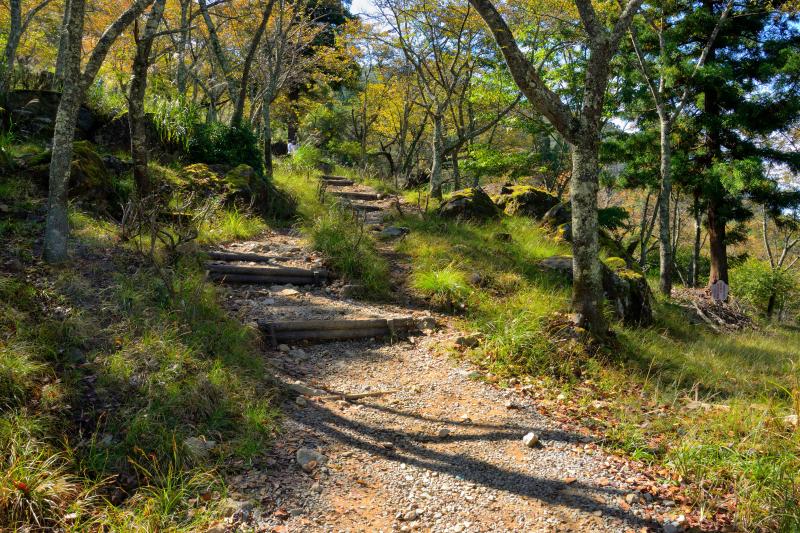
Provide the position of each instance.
(137, 88)
(581, 130)
(75, 85)
(587, 281)
(437, 156)
(57, 226)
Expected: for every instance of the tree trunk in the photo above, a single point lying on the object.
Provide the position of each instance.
(182, 44)
(238, 110)
(664, 241)
(219, 54)
(771, 304)
(717, 248)
(265, 117)
(587, 283)
(12, 43)
(694, 270)
(456, 170)
(138, 86)
(58, 78)
(57, 226)
(437, 155)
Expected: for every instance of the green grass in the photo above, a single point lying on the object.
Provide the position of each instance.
(147, 366)
(643, 381)
(345, 241)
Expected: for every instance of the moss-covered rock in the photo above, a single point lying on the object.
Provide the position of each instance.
(557, 215)
(243, 178)
(626, 290)
(90, 181)
(473, 204)
(525, 200)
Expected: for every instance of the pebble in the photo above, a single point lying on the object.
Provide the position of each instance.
(443, 432)
(301, 401)
(309, 459)
(283, 348)
(531, 440)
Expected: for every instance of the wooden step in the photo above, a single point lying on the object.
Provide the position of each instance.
(329, 330)
(333, 178)
(357, 195)
(244, 256)
(265, 275)
(338, 183)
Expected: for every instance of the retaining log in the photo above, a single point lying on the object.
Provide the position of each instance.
(357, 195)
(323, 330)
(337, 183)
(256, 279)
(266, 271)
(244, 256)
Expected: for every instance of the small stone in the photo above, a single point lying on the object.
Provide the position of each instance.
(298, 352)
(387, 445)
(598, 513)
(301, 401)
(288, 292)
(352, 290)
(670, 527)
(531, 440)
(283, 348)
(411, 515)
(309, 459)
(469, 341)
(668, 503)
(443, 432)
(316, 487)
(632, 498)
(199, 448)
(393, 232)
(511, 405)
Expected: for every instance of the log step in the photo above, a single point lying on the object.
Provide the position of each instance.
(244, 256)
(328, 330)
(265, 275)
(337, 183)
(329, 177)
(357, 195)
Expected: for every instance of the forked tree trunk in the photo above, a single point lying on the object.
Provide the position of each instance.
(57, 226)
(664, 241)
(138, 86)
(587, 280)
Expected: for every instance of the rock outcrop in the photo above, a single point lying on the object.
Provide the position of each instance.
(625, 289)
(472, 204)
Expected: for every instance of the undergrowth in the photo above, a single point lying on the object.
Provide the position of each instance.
(105, 374)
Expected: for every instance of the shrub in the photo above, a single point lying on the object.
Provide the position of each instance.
(217, 143)
(306, 157)
(758, 284)
(175, 120)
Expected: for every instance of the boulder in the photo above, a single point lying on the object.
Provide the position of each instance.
(473, 204)
(525, 200)
(89, 180)
(243, 178)
(626, 290)
(557, 215)
(34, 114)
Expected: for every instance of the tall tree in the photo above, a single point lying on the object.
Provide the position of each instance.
(136, 92)
(75, 85)
(658, 69)
(582, 130)
(19, 24)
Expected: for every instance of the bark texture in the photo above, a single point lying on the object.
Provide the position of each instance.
(57, 226)
(137, 89)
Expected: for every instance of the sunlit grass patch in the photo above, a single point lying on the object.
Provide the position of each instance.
(231, 224)
(446, 286)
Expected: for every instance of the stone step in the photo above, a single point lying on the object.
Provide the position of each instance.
(330, 330)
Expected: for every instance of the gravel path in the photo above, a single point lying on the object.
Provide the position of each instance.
(443, 451)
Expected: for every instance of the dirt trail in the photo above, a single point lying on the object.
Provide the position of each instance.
(444, 452)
